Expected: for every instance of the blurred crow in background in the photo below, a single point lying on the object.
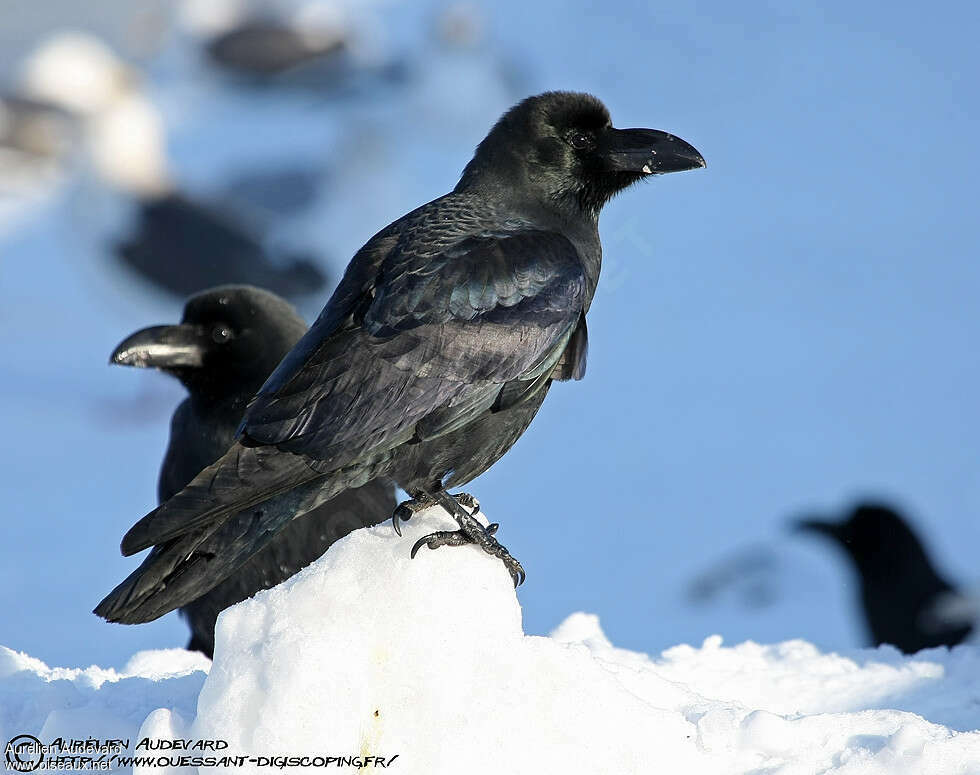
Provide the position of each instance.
(441, 341)
(184, 245)
(229, 341)
(269, 46)
(322, 47)
(906, 602)
(179, 243)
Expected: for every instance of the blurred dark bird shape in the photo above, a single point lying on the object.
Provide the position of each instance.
(268, 46)
(308, 53)
(444, 336)
(185, 246)
(179, 243)
(229, 341)
(905, 599)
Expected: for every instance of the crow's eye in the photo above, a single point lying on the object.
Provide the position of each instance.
(222, 333)
(580, 141)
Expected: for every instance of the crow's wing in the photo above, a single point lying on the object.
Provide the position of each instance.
(430, 344)
(440, 332)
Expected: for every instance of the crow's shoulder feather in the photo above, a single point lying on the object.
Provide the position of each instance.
(449, 316)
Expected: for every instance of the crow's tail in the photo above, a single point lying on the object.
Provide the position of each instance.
(259, 546)
(241, 478)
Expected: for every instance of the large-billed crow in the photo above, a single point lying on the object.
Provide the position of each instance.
(229, 341)
(906, 602)
(440, 343)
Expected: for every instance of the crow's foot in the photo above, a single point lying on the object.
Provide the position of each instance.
(450, 538)
(470, 532)
(405, 510)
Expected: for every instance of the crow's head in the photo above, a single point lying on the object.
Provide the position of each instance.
(230, 339)
(874, 535)
(560, 148)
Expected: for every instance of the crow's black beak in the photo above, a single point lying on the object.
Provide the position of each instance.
(649, 152)
(163, 347)
(819, 526)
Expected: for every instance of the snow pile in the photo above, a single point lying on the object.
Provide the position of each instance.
(369, 653)
(94, 702)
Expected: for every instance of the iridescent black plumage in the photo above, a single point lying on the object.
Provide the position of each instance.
(442, 339)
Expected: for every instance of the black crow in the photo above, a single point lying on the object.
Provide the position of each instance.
(440, 343)
(902, 593)
(230, 340)
(184, 246)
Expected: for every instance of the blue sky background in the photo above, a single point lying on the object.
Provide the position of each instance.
(790, 328)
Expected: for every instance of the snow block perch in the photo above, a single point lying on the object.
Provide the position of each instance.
(370, 652)
(424, 663)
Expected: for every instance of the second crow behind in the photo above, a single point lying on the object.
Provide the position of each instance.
(229, 341)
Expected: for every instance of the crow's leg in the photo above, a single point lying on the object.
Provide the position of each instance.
(420, 501)
(470, 532)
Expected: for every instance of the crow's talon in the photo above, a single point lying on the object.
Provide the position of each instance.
(405, 510)
(471, 530)
(401, 512)
(461, 537)
(515, 569)
(441, 538)
(462, 508)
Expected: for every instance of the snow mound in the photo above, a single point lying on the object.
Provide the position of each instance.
(369, 653)
(94, 702)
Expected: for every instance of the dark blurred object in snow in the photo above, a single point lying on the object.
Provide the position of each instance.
(185, 246)
(320, 46)
(749, 575)
(262, 47)
(179, 242)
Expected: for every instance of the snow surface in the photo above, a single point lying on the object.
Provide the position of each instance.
(367, 652)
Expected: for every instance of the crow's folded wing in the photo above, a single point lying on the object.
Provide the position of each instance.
(433, 343)
(439, 332)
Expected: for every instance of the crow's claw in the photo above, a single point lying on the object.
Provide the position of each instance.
(402, 512)
(441, 538)
(405, 510)
(515, 569)
(471, 530)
